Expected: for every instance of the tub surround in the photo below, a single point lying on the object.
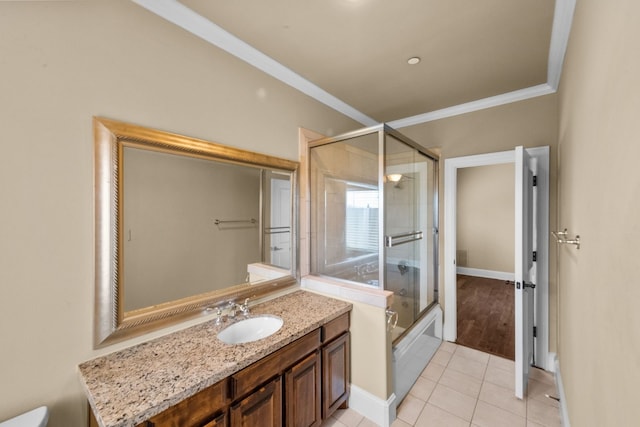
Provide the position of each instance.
(369, 295)
(132, 385)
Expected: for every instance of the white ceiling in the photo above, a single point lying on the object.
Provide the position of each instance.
(352, 54)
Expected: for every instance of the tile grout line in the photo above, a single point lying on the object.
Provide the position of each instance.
(484, 375)
(498, 366)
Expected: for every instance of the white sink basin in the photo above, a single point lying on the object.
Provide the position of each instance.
(251, 329)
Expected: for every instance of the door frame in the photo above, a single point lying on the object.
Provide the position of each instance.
(541, 315)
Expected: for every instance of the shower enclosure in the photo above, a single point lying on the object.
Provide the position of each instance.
(374, 216)
(374, 207)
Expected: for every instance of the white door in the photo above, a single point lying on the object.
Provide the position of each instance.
(280, 227)
(525, 222)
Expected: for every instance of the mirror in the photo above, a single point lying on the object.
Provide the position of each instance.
(182, 225)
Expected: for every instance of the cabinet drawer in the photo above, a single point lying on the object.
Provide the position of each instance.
(220, 421)
(253, 376)
(195, 410)
(335, 328)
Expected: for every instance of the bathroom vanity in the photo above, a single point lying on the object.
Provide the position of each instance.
(296, 377)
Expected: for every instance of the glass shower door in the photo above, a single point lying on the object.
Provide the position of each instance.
(345, 209)
(409, 187)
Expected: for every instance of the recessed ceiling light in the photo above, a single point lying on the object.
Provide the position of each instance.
(413, 60)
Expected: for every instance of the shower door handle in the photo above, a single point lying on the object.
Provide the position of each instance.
(402, 238)
(392, 319)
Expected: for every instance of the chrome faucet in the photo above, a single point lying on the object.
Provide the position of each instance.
(244, 308)
(218, 316)
(233, 309)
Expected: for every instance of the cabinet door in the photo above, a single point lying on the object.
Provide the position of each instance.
(335, 375)
(303, 393)
(261, 408)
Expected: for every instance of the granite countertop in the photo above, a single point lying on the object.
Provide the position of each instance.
(129, 386)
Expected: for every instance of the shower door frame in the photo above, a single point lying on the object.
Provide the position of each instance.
(382, 130)
(436, 231)
(420, 314)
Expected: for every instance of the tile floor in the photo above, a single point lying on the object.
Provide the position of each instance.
(465, 387)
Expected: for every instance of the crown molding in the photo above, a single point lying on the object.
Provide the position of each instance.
(562, 20)
(480, 104)
(178, 14)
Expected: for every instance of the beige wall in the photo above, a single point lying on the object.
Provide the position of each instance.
(486, 218)
(172, 247)
(599, 147)
(62, 63)
(531, 123)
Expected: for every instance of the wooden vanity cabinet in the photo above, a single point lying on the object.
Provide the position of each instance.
(299, 385)
(262, 408)
(303, 392)
(335, 365)
(205, 408)
(220, 421)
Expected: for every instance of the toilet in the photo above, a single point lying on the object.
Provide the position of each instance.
(35, 418)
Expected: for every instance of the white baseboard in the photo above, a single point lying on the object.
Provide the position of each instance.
(381, 412)
(489, 274)
(551, 362)
(564, 412)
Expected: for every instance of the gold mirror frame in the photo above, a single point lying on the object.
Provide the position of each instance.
(110, 138)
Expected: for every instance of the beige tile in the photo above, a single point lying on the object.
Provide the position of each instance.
(348, 417)
(503, 398)
(441, 357)
(532, 424)
(470, 367)
(433, 371)
(410, 409)
(541, 375)
(453, 401)
(500, 377)
(422, 388)
(547, 415)
(470, 353)
(332, 422)
(433, 416)
(399, 423)
(448, 346)
(539, 390)
(502, 363)
(487, 415)
(366, 422)
(463, 383)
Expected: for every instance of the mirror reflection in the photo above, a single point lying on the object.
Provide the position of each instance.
(183, 224)
(191, 226)
(277, 217)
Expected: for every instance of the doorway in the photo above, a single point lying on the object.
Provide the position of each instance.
(485, 259)
(452, 166)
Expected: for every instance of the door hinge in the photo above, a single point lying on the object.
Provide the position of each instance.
(535, 256)
(535, 180)
(535, 332)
